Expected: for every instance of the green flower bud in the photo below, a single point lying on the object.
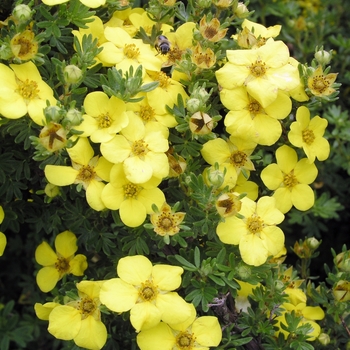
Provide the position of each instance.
(313, 243)
(241, 10)
(215, 177)
(323, 57)
(203, 4)
(52, 190)
(244, 271)
(22, 13)
(193, 105)
(324, 339)
(72, 74)
(74, 117)
(53, 114)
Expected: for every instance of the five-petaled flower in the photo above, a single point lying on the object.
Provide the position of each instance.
(256, 233)
(290, 180)
(23, 91)
(308, 134)
(320, 84)
(59, 263)
(147, 291)
(80, 319)
(196, 333)
(263, 71)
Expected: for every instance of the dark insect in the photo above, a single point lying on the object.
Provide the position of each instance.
(162, 45)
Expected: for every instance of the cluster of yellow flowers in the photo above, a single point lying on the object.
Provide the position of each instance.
(162, 318)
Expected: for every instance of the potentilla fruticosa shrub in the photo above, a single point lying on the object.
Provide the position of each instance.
(152, 160)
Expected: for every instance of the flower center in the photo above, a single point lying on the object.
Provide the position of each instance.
(174, 54)
(131, 51)
(258, 69)
(148, 291)
(50, 133)
(87, 307)
(131, 190)
(319, 83)
(139, 148)
(104, 121)
(28, 89)
(147, 113)
(210, 32)
(86, 173)
(308, 136)
(254, 107)
(163, 79)
(238, 159)
(255, 224)
(62, 265)
(185, 341)
(290, 180)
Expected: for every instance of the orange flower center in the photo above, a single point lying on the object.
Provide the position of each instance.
(131, 190)
(254, 107)
(290, 180)
(131, 51)
(147, 113)
(28, 89)
(86, 173)
(238, 159)
(62, 265)
(139, 148)
(148, 291)
(320, 83)
(185, 341)
(163, 79)
(104, 121)
(258, 69)
(254, 224)
(308, 136)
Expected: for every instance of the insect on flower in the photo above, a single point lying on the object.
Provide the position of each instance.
(162, 45)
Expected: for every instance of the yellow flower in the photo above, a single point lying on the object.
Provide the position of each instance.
(86, 170)
(204, 59)
(290, 180)
(3, 239)
(308, 134)
(56, 265)
(104, 117)
(211, 31)
(80, 320)
(141, 148)
(320, 84)
(242, 302)
(256, 233)
(263, 71)
(134, 201)
(53, 137)
(196, 333)
(258, 32)
(146, 291)
(228, 204)
(88, 3)
(245, 110)
(24, 46)
(308, 315)
(166, 222)
(134, 52)
(233, 154)
(23, 91)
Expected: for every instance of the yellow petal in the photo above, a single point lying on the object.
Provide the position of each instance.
(90, 288)
(66, 244)
(159, 337)
(44, 255)
(132, 212)
(303, 197)
(43, 311)
(134, 269)
(78, 265)
(167, 277)
(283, 198)
(94, 193)
(144, 315)
(47, 278)
(3, 242)
(60, 175)
(81, 152)
(207, 331)
(118, 295)
(253, 250)
(137, 170)
(64, 322)
(92, 334)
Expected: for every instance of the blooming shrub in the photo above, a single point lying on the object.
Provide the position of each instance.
(186, 160)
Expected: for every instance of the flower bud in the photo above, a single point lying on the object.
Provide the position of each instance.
(215, 177)
(193, 105)
(201, 123)
(22, 13)
(228, 204)
(52, 190)
(203, 4)
(313, 243)
(324, 339)
(244, 271)
(53, 114)
(342, 261)
(341, 291)
(241, 10)
(53, 137)
(72, 74)
(323, 57)
(74, 117)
